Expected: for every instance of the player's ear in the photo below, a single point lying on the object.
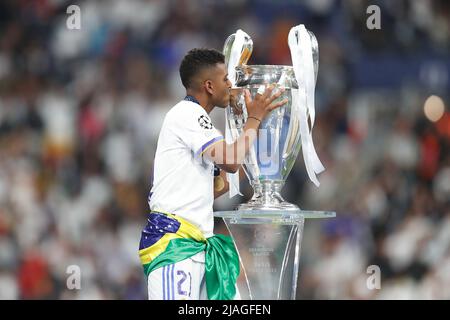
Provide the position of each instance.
(209, 86)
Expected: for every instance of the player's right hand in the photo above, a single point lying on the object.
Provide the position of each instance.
(263, 104)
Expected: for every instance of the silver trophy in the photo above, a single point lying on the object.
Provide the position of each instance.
(273, 155)
(267, 230)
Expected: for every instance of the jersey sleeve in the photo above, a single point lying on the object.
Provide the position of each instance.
(197, 132)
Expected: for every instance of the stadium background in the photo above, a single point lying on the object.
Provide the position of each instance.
(80, 112)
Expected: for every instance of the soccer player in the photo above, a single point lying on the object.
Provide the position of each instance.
(182, 257)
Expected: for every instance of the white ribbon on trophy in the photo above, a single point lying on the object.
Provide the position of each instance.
(235, 58)
(299, 41)
(300, 44)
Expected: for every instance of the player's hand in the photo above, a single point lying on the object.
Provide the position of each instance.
(263, 103)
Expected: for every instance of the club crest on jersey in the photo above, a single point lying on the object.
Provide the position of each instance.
(205, 122)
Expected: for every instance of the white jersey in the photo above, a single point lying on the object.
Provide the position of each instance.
(182, 182)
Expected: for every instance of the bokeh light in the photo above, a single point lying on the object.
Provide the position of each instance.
(434, 108)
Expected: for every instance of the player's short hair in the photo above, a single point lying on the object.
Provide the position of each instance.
(195, 60)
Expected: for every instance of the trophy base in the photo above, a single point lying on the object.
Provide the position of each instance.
(267, 197)
(254, 205)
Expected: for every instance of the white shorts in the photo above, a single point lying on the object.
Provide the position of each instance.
(184, 280)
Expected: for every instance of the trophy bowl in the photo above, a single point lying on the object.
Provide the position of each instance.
(278, 143)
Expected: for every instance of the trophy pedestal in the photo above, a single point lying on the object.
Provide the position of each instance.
(268, 243)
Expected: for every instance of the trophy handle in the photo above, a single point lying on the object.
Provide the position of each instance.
(227, 47)
(245, 50)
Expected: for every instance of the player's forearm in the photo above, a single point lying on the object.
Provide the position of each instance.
(236, 152)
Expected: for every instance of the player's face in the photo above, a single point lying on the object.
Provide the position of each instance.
(222, 85)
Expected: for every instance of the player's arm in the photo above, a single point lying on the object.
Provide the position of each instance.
(229, 157)
(221, 185)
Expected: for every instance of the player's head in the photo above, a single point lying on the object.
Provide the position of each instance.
(204, 71)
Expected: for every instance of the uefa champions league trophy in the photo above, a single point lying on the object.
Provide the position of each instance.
(267, 230)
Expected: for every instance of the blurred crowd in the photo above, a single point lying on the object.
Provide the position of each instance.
(80, 113)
